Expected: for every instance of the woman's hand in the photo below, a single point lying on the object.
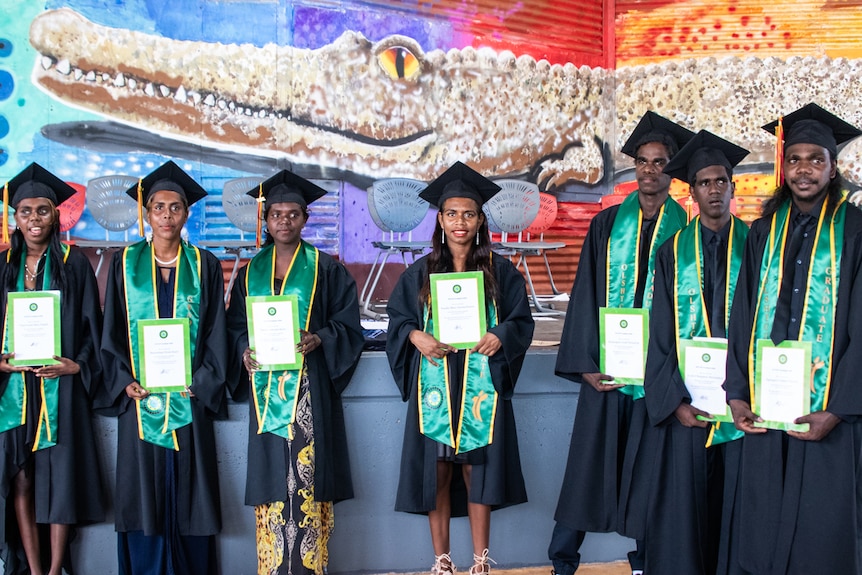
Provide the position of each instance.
(65, 367)
(488, 345)
(248, 360)
(430, 348)
(308, 342)
(135, 391)
(6, 367)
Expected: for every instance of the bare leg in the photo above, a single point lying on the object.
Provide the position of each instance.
(480, 524)
(59, 536)
(25, 513)
(439, 518)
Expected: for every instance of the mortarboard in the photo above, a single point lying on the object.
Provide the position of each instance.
(703, 150)
(34, 181)
(655, 128)
(459, 181)
(167, 177)
(285, 186)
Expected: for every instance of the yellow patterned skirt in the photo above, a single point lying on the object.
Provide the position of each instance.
(293, 535)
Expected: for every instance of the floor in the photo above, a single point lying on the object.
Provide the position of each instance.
(615, 568)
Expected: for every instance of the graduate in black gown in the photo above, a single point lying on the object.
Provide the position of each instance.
(49, 469)
(166, 503)
(597, 493)
(696, 462)
(444, 472)
(298, 464)
(801, 492)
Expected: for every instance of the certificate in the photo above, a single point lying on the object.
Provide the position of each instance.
(703, 365)
(273, 331)
(164, 354)
(458, 308)
(782, 384)
(34, 327)
(623, 337)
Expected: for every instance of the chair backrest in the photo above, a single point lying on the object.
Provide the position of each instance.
(513, 208)
(108, 203)
(239, 207)
(395, 205)
(547, 214)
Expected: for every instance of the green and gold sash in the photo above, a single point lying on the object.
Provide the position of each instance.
(818, 313)
(478, 397)
(13, 402)
(689, 300)
(623, 262)
(161, 414)
(276, 392)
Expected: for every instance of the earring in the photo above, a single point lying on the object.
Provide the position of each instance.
(477, 239)
(442, 237)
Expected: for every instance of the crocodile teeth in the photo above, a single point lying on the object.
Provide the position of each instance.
(132, 83)
(91, 76)
(78, 74)
(149, 90)
(210, 100)
(196, 97)
(64, 67)
(120, 80)
(180, 96)
(47, 62)
(164, 90)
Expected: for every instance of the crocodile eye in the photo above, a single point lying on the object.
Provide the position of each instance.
(399, 62)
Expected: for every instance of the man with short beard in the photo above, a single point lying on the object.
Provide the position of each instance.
(800, 491)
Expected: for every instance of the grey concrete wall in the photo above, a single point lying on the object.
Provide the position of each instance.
(369, 536)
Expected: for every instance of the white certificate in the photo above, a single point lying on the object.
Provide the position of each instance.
(623, 334)
(34, 327)
(273, 331)
(165, 354)
(458, 308)
(782, 383)
(703, 365)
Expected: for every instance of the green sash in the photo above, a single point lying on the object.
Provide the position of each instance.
(623, 261)
(161, 414)
(689, 301)
(13, 402)
(818, 314)
(478, 398)
(275, 405)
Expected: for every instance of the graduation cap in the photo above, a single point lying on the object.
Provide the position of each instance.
(285, 186)
(34, 181)
(655, 128)
(459, 181)
(168, 177)
(703, 150)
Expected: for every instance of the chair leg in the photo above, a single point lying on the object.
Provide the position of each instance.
(550, 277)
(539, 307)
(364, 295)
(366, 307)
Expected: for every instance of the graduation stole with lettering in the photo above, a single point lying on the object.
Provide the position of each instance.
(13, 402)
(276, 392)
(478, 397)
(623, 256)
(690, 303)
(161, 414)
(818, 313)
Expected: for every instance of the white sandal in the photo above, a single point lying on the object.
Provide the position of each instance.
(481, 564)
(443, 565)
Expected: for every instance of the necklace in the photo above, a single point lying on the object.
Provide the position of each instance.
(31, 276)
(166, 263)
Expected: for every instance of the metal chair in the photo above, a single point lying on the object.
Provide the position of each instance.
(516, 209)
(113, 210)
(396, 208)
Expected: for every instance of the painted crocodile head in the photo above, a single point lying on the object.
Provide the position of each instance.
(380, 109)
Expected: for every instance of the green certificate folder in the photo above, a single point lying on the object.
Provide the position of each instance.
(782, 384)
(164, 354)
(458, 308)
(703, 365)
(623, 337)
(273, 331)
(34, 327)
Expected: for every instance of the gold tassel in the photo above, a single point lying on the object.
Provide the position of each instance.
(779, 153)
(6, 213)
(260, 200)
(140, 207)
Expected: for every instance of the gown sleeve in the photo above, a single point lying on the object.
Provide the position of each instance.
(514, 327)
(404, 316)
(116, 360)
(89, 334)
(209, 366)
(237, 330)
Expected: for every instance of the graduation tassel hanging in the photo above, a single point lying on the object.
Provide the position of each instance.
(779, 153)
(6, 213)
(140, 208)
(259, 231)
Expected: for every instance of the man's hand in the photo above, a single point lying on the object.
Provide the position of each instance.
(820, 423)
(687, 415)
(744, 418)
(597, 381)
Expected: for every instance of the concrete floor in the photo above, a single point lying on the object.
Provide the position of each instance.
(615, 568)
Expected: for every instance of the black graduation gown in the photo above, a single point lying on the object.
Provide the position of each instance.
(68, 487)
(597, 494)
(684, 519)
(497, 482)
(803, 499)
(139, 498)
(335, 319)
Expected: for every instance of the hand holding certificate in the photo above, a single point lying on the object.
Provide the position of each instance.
(273, 331)
(34, 327)
(458, 308)
(165, 355)
(702, 363)
(623, 334)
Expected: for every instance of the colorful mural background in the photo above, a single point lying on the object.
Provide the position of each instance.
(355, 91)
